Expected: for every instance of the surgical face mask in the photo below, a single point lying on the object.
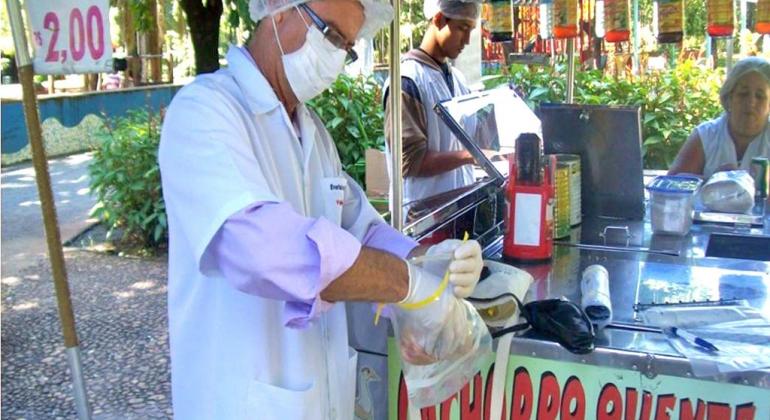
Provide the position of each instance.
(314, 66)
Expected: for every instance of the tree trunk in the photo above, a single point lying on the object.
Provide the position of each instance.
(128, 32)
(203, 21)
(152, 40)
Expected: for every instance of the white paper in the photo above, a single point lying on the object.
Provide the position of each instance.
(526, 228)
(70, 36)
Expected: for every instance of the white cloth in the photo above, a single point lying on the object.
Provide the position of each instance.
(433, 89)
(719, 149)
(228, 142)
(595, 295)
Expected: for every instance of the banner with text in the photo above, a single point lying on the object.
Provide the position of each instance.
(549, 389)
(70, 36)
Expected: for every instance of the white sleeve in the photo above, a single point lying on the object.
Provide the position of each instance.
(358, 214)
(208, 170)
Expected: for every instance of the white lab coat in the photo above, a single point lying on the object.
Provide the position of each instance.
(227, 142)
(433, 89)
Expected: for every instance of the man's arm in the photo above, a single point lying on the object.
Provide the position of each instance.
(436, 163)
(418, 160)
(375, 276)
(269, 250)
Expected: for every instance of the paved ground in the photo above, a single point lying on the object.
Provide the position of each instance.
(23, 240)
(119, 304)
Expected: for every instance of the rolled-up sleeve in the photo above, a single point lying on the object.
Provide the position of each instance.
(383, 237)
(270, 250)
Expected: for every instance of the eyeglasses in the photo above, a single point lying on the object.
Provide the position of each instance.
(331, 34)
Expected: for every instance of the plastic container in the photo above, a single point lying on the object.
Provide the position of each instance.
(670, 21)
(762, 25)
(671, 198)
(617, 18)
(565, 19)
(721, 18)
(501, 23)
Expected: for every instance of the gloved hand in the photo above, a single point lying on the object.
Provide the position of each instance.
(466, 265)
(435, 331)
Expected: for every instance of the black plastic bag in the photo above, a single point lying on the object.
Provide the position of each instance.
(559, 320)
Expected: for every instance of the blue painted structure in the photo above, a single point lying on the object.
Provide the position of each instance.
(71, 109)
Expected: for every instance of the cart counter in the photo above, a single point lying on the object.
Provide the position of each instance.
(634, 371)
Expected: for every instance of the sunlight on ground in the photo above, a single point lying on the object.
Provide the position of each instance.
(124, 295)
(78, 159)
(10, 281)
(143, 285)
(82, 178)
(26, 305)
(11, 185)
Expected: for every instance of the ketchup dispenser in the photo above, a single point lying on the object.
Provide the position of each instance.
(529, 224)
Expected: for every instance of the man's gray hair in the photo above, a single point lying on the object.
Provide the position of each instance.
(745, 66)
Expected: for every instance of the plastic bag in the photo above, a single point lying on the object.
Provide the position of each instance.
(493, 295)
(563, 321)
(728, 192)
(741, 334)
(442, 343)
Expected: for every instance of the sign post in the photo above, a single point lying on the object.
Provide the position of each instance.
(69, 37)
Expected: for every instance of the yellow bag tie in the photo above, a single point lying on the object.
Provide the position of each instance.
(423, 303)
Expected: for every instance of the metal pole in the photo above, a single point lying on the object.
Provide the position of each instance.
(708, 47)
(396, 155)
(743, 17)
(570, 70)
(729, 57)
(636, 38)
(53, 238)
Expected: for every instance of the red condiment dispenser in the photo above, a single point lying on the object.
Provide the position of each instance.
(530, 192)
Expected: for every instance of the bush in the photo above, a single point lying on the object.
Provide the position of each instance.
(672, 103)
(352, 111)
(125, 178)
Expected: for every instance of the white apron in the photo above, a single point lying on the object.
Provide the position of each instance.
(433, 89)
(226, 143)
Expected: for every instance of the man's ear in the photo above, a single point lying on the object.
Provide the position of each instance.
(279, 17)
(440, 20)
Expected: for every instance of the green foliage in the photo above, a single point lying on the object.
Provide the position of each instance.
(237, 12)
(125, 178)
(140, 9)
(672, 103)
(352, 111)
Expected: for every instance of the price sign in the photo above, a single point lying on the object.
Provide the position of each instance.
(70, 36)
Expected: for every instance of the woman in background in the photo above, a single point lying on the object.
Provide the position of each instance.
(741, 133)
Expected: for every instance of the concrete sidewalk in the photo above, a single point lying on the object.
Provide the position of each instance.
(23, 234)
(119, 305)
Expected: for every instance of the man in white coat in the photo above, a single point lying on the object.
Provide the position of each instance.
(267, 233)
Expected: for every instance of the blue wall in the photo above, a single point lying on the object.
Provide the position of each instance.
(70, 109)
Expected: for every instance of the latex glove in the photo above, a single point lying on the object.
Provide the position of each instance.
(466, 265)
(435, 331)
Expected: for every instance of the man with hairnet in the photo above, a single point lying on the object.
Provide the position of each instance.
(434, 161)
(267, 233)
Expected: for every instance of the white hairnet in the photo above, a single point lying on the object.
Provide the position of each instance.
(453, 9)
(377, 13)
(742, 68)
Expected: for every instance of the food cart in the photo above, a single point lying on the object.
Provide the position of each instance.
(634, 371)
(722, 264)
